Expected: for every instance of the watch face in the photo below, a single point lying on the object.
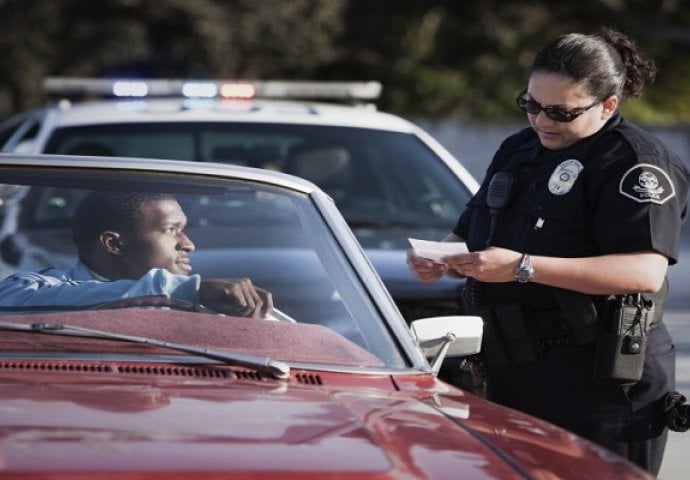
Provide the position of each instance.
(524, 274)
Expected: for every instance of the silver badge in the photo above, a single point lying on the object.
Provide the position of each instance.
(564, 176)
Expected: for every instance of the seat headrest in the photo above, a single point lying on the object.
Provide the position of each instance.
(91, 148)
(321, 164)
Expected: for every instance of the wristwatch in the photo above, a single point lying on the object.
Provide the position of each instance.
(524, 271)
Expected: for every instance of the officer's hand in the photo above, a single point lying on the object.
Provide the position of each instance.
(491, 265)
(237, 297)
(425, 270)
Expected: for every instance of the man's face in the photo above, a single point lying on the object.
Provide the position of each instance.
(157, 241)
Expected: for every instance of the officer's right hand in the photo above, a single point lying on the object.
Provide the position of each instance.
(237, 297)
(425, 270)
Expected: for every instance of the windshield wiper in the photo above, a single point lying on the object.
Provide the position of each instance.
(274, 368)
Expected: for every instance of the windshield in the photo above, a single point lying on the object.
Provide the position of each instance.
(388, 185)
(213, 230)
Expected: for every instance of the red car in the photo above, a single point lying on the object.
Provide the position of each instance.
(332, 383)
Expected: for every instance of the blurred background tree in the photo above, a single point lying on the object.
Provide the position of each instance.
(439, 59)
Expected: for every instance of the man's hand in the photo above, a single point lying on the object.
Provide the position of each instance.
(237, 297)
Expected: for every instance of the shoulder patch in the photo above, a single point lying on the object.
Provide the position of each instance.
(647, 183)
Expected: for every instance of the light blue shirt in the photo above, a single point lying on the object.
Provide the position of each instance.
(79, 287)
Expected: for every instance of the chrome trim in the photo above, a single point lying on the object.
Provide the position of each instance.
(222, 170)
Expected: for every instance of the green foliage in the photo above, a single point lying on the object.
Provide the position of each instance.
(435, 58)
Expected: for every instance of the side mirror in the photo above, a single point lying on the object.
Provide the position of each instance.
(454, 336)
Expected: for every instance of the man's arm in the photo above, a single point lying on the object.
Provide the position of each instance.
(54, 288)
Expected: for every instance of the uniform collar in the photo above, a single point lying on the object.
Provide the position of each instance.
(580, 149)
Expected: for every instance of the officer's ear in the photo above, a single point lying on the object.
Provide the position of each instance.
(610, 106)
(111, 242)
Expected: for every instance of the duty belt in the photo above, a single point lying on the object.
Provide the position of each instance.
(514, 333)
(521, 332)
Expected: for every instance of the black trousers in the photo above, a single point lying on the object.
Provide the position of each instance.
(560, 389)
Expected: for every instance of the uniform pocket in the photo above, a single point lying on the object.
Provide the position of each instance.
(658, 377)
(659, 341)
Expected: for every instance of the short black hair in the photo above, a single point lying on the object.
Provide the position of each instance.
(100, 211)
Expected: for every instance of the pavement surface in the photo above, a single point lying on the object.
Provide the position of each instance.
(676, 465)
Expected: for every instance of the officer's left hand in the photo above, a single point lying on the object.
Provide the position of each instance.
(425, 270)
(494, 264)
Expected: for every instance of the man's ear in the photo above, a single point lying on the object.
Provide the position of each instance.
(111, 243)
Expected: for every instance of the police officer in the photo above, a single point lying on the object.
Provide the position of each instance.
(576, 212)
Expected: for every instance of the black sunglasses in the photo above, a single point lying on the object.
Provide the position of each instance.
(554, 113)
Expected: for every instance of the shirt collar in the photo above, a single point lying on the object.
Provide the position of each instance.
(81, 272)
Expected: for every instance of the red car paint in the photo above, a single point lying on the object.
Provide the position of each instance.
(71, 417)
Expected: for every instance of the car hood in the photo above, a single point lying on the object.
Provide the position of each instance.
(63, 425)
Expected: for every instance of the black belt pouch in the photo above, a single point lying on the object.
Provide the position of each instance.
(619, 359)
(622, 341)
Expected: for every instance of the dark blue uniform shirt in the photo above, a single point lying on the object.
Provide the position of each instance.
(618, 191)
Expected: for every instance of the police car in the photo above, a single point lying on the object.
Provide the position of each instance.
(391, 180)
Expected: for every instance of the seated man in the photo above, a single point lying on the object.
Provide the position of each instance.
(130, 245)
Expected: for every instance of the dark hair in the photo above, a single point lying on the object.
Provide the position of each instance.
(609, 62)
(100, 211)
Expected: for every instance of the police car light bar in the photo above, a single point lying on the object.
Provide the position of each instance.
(99, 87)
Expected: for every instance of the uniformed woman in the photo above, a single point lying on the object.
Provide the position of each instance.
(570, 237)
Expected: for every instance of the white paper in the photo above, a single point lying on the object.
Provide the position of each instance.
(437, 250)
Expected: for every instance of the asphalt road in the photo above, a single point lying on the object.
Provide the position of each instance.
(676, 465)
